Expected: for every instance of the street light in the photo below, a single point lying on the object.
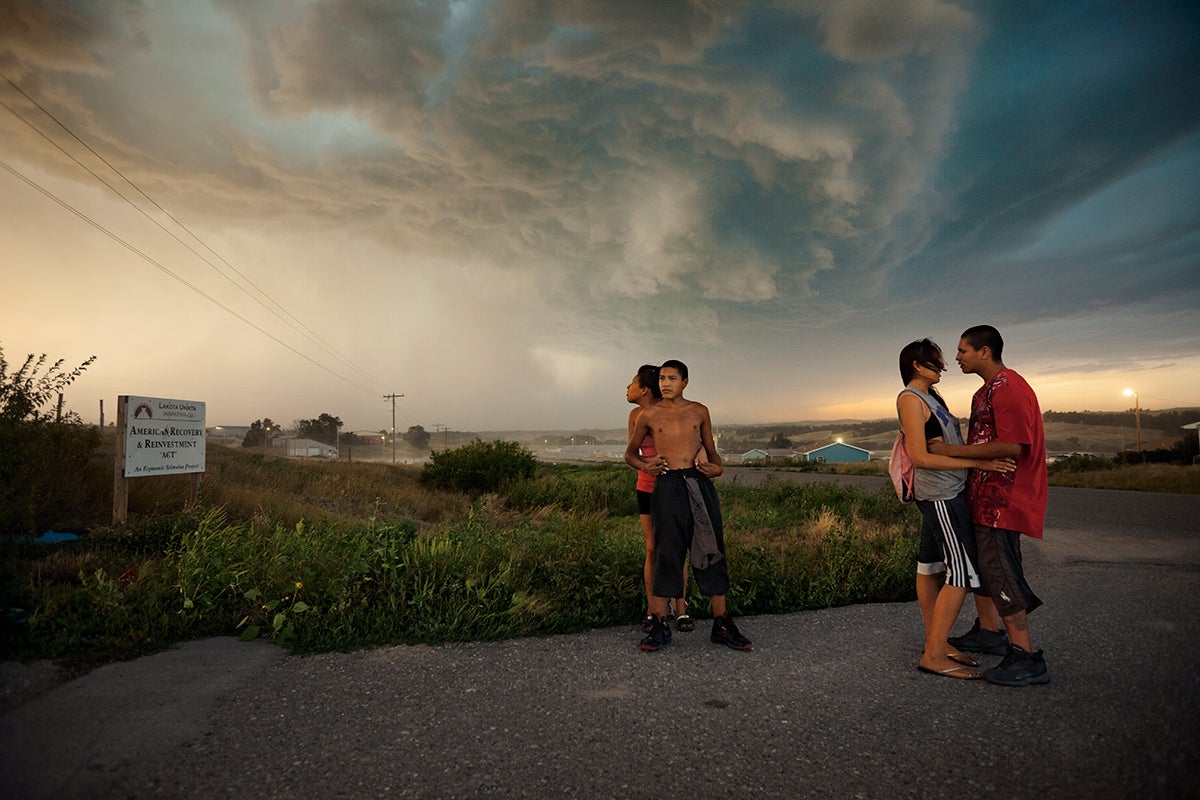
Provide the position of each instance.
(1137, 418)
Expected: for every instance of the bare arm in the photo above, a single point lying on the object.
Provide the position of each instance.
(929, 455)
(1003, 409)
(639, 429)
(713, 467)
(993, 449)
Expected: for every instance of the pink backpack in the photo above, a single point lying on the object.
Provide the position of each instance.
(900, 467)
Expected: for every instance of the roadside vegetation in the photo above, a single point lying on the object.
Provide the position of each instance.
(1102, 473)
(1088, 472)
(482, 543)
(323, 556)
(37, 446)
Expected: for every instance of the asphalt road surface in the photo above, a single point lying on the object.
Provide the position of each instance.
(828, 704)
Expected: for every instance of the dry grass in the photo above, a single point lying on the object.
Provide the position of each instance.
(782, 540)
(256, 486)
(1167, 478)
(829, 523)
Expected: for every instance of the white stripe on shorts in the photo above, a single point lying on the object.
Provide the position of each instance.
(960, 571)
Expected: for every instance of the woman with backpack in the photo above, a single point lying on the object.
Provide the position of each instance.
(939, 488)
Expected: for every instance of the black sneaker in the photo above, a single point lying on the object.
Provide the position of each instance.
(1019, 668)
(981, 640)
(726, 633)
(658, 637)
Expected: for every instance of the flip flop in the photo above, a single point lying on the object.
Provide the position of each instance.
(961, 658)
(685, 623)
(970, 674)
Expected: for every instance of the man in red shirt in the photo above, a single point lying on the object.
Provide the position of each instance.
(1005, 423)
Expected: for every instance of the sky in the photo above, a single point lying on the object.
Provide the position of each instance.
(499, 210)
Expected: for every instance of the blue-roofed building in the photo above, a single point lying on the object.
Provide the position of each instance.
(838, 453)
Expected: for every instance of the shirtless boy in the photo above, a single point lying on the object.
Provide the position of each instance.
(680, 428)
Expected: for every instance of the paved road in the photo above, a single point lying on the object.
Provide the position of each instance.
(828, 704)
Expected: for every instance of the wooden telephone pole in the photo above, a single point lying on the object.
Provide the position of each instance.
(393, 397)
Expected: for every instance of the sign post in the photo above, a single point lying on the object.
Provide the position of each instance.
(156, 436)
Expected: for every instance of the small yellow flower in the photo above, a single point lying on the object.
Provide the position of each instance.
(299, 585)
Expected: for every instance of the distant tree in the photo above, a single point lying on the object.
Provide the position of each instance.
(1182, 452)
(1162, 420)
(417, 437)
(1187, 449)
(323, 429)
(779, 442)
(23, 393)
(260, 432)
(256, 436)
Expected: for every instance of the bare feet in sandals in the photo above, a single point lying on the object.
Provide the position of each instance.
(959, 671)
(684, 623)
(963, 658)
(952, 665)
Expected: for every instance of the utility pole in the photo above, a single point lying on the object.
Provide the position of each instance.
(393, 397)
(439, 426)
(1137, 420)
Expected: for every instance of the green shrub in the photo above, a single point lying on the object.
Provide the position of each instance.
(479, 467)
(43, 458)
(1073, 464)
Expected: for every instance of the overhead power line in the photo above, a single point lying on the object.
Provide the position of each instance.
(16, 173)
(294, 322)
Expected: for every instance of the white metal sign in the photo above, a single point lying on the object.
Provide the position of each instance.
(163, 437)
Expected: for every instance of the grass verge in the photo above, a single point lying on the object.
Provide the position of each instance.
(1100, 473)
(334, 556)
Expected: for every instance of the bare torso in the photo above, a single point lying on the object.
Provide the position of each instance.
(677, 432)
(682, 433)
